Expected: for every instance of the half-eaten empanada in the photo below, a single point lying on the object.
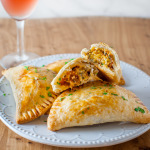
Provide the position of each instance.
(96, 102)
(32, 91)
(106, 60)
(74, 73)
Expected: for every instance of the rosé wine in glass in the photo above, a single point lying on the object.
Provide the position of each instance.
(18, 10)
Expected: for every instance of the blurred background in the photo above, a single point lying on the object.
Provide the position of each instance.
(75, 8)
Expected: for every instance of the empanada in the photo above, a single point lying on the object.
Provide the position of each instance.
(32, 91)
(106, 60)
(74, 73)
(57, 65)
(96, 102)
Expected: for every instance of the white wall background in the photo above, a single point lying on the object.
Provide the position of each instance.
(73, 8)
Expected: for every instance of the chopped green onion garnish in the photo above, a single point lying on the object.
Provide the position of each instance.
(62, 98)
(58, 83)
(42, 96)
(93, 87)
(26, 67)
(70, 94)
(35, 70)
(49, 94)
(59, 79)
(47, 88)
(123, 98)
(139, 109)
(44, 78)
(82, 112)
(105, 93)
(114, 94)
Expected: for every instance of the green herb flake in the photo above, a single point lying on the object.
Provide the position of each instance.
(105, 93)
(26, 67)
(88, 108)
(42, 96)
(58, 83)
(44, 78)
(102, 64)
(35, 70)
(47, 88)
(43, 65)
(4, 94)
(70, 94)
(59, 79)
(45, 121)
(66, 62)
(93, 87)
(139, 109)
(49, 94)
(114, 94)
(105, 84)
(72, 58)
(100, 88)
(111, 87)
(82, 112)
(62, 98)
(123, 98)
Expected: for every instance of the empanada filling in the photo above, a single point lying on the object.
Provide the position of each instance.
(76, 76)
(102, 55)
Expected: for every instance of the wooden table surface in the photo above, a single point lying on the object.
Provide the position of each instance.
(129, 36)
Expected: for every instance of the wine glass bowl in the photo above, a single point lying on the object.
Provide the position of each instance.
(19, 10)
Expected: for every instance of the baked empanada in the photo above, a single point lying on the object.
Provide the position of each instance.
(32, 91)
(57, 65)
(106, 60)
(96, 102)
(74, 73)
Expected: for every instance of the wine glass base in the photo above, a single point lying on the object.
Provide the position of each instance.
(14, 59)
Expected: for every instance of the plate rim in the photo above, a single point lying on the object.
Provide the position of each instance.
(70, 144)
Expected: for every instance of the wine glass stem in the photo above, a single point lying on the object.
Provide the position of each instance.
(20, 38)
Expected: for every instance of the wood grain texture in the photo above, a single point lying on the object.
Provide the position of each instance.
(129, 36)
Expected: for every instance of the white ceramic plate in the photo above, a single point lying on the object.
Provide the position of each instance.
(89, 136)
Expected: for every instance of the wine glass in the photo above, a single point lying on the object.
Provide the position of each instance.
(19, 10)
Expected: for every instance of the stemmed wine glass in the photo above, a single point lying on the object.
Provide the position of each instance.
(19, 10)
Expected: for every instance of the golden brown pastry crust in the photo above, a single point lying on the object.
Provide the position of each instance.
(94, 103)
(106, 60)
(57, 65)
(74, 73)
(32, 91)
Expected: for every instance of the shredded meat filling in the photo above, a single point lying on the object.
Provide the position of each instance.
(102, 55)
(74, 77)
